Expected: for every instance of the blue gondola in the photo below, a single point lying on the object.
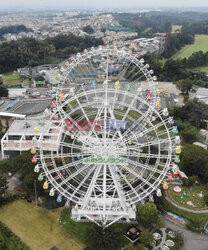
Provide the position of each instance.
(79, 156)
(59, 198)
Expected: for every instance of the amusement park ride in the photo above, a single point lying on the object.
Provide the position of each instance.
(117, 144)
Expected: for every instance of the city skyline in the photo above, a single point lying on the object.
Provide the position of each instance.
(104, 4)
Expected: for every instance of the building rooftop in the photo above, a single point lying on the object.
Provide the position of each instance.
(26, 127)
(202, 91)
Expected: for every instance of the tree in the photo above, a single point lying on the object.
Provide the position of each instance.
(3, 186)
(147, 214)
(98, 239)
(140, 247)
(3, 89)
(146, 238)
(29, 180)
(194, 161)
(195, 224)
(206, 198)
(187, 182)
(194, 113)
(160, 223)
(2, 241)
(189, 134)
(137, 247)
(184, 85)
(88, 29)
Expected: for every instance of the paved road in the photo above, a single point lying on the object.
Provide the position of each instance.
(192, 241)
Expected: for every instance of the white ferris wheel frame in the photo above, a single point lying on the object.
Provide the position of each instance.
(102, 192)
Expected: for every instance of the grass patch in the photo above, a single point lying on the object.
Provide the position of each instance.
(37, 227)
(9, 240)
(200, 43)
(176, 27)
(10, 79)
(192, 195)
(79, 229)
(202, 69)
(74, 228)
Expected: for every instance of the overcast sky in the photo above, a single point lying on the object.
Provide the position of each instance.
(107, 3)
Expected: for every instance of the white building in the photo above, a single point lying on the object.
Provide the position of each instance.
(19, 136)
(202, 94)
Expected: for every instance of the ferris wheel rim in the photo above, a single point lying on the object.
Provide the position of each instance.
(62, 190)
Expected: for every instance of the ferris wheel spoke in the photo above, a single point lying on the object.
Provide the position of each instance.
(100, 187)
(129, 108)
(70, 145)
(51, 171)
(145, 181)
(158, 142)
(128, 183)
(65, 155)
(117, 132)
(118, 188)
(98, 115)
(73, 175)
(91, 187)
(82, 182)
(149, 156)
(67, 116)
(139, 122)
(139, 165)
(123, 119)
(148, 131)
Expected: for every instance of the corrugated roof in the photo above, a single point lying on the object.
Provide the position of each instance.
(202, 91)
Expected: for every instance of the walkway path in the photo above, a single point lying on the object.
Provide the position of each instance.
(192, 240)
(163, 239)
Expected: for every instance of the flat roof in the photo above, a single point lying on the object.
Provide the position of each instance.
(202, 91)
(27, 127)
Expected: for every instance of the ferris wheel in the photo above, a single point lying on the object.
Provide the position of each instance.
(116, 143)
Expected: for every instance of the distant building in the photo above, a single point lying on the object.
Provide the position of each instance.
(204, 133)
(118, 29)
(202, 94)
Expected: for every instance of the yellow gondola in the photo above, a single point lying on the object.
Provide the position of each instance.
(33, 150)
(117, 85)
(165, 185)
(36, 130)
(178, 149)
(45, 185)
(62, 97)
